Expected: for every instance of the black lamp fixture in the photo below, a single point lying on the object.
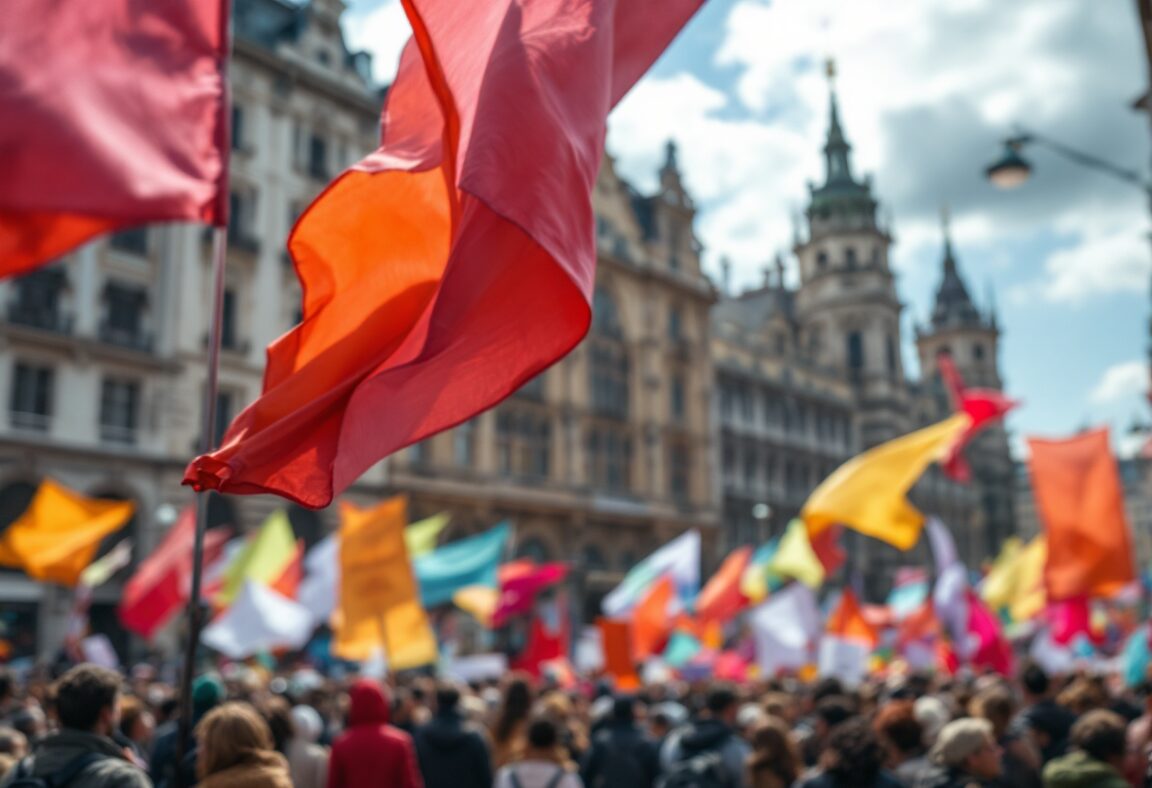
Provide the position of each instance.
(1011, 169)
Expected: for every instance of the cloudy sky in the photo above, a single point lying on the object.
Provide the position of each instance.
(927, 90)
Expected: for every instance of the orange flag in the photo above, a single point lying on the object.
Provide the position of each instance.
(1081, 504)
(288, 583)
(112, 118)
(457, 261)
(847, 622)
(58, 535)
(651, 623)
(721, 598)
(379, 600)
(616, 642)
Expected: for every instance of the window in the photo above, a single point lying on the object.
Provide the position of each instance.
(855, 351)
(242, 219)
(890, 355)
(31, 403)
(977, 352)
(124, 315)
(318, 157)
(850, 259)
(523, 442)
(532, 548)
(679, 473)
(605, 315)
(464, 444)
(419, 454)
(237, 128)
(822, 261)
(119, 410)
(677, 392)
(751, 467)
(675, 325)
(134, 240)
(225, 410)
(610, 459)
(593, 559)
(533, 389)
(37, 302)
(228, 337)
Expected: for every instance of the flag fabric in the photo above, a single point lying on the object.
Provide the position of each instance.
(262, 559)
(1136, 657)
(721, 598)
(547, 644)
(679, 559)
(287, 583)
(949, 594)
(848, 641)
(480, 602)
(457, 261)
(652, 619)
(1081, 504)
(420, 537)
(826, 545)
(909, 591)
(982, 406)
(1030, 596)
(379, 603)
(102, 569)
(616, 646)
(260, 619)
(466, 562)
(783, 628)
(112, 118)
(758, 580)
(986, 646)
(681, 649)
(795, 557)
(60, 532)
(1069, 618)
(518, 590)
(868, 493)
(320, 586)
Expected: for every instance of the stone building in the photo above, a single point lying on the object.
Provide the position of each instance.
(808, 376)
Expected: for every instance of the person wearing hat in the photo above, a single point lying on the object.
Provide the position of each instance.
(207, 694)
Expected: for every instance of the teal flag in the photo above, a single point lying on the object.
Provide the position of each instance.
(468, 562)
(682, 647)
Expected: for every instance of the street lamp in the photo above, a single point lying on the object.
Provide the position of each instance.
(1012, 169)
(760, 513)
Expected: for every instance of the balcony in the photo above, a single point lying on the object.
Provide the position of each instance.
(119, 435)
(29, 422)
(44, 319)
(126, 338)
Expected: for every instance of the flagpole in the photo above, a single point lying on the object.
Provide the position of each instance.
(211, 388)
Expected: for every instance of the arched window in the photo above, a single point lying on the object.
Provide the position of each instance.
(533, 549)
(821, 261)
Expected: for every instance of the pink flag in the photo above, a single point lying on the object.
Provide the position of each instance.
(983, 406)
(113, 117)
(986, 646)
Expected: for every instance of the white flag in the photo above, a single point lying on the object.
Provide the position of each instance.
(260, 619)
(784, 627)
(679, 559)
(949, 597)
(320, 588)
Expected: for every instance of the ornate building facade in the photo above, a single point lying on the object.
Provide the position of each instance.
(811, 375)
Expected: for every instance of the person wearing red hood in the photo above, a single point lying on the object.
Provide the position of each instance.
(371, 752)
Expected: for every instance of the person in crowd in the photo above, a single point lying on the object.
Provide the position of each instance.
(137, 727)
(830, 711)
(452, 752)
(1139, 738)
(508, 734)
(1046, 722)
(371, 752)
(853, 758)
(6, 764)
(539, 765)
(1097, 757)
(775, 760)
(13, 743)
(965, 756)
(902, 737)
(621, 755)
(83, 752)
(166, 762)
(31, 721)
(235, 750)
(660, 725)
(307, 760)
(9, 704)
(573, 734)
(932, 714)
(1021, 761)
(709, 752)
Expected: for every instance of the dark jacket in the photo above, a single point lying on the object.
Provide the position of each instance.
(621, 756)
(371, 752)
(162, 765)
(823, 779)
(708, 735)
(54, 752)
(1051, 722)
(1079, 770)
(452, 754)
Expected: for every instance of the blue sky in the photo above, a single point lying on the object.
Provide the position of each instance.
(927, 90)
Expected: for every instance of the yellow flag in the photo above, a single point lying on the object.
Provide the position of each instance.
(263, 559)
(868, 493)
(1031, 597)
(379, 598)
(57, 537)
(479, 601)
(420, 537)
(999, 587)
(796, 559)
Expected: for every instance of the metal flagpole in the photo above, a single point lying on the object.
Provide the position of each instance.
(211, 388)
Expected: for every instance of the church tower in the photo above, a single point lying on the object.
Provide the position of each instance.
(958, 328)
(847, 303)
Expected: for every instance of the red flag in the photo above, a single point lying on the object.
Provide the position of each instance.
(651, 623)
(112, 118)
(288, 583)
(616, 642)
(457, 261)
(518, 590)
(160, 585)
(1081, 503)
(826, 545)
(721, 598)
(547, 638)
(983, 407)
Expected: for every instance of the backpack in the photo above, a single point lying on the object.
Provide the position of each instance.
(71, 770)
(702, 770)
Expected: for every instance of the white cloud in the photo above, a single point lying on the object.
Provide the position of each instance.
(382, 30)
(1121, 383)
(1114, 262)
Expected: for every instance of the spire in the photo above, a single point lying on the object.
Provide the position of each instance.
(953, 306)
(670, 156)
(837, 151)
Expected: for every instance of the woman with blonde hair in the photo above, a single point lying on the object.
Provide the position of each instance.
(775, 759)
(235, 750)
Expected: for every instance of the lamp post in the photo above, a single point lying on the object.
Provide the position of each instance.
(760, 513)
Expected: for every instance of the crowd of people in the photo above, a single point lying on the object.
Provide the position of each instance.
(94, 728)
